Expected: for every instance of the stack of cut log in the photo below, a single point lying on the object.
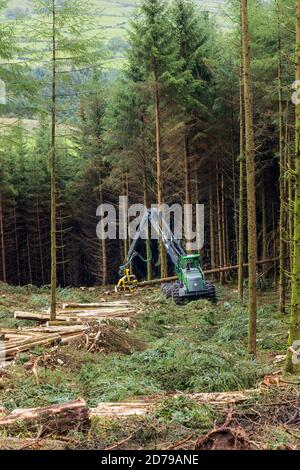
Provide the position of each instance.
(72, 322)
(15, 341)
(73, 313)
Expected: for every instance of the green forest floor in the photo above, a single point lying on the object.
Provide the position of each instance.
(199, 347)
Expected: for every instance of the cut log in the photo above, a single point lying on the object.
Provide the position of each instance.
(101, 312)
(28, 340)
(14, 331)
(11, 350)
(142, 407)
(69, 339)
(214, 398)
(121, 410)
(81, 316)
(36, 316)
(105, 314)
(56, 419)
(15, 336)
(64, 322)
(63, 329)
(121, 303)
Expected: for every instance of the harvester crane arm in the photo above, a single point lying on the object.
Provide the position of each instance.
(132, 253)
(172, 245)
(191, 284)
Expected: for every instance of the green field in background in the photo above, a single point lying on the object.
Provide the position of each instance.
(112, 19)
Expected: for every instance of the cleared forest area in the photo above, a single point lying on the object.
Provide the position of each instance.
(184, 336)
(190, 376)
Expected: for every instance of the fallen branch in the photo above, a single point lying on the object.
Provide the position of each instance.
(124, 441)
(179, 443)
(15, 443)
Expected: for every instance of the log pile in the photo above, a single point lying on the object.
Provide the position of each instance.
(72, 313)
(91, 337)
(15, 341)
(72, 322)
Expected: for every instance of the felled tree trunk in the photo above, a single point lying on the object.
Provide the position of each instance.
(56, 419)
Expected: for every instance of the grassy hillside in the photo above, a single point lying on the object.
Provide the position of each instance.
(113, 17)
(114, 14)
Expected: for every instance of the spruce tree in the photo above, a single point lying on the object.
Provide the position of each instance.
(62, 29)
(294, 333)
(154, 53)
(250, 174)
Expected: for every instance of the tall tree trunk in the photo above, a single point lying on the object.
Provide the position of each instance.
(227, 240)
(163, 258)
(40, 241)
(211, 226)
(29, 259)
(250, 171)
(235, 210)
(61, 230)
(148, 246)
(220, 231)
(282, 222)
(287, 188)
(187, 186)
(17, 247)
(2, 240)
(294, 334)
(223, 223)
(290, 201)
(103, 246)
(241, 193)
(125, 192)
(53, 170)
(264, 223)
(274, 247)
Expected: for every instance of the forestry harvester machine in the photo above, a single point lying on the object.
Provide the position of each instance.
(191, 284)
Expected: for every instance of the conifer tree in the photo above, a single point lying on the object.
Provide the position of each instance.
(154, 47)
(62, 28)
(294, 333)
(193, 33)
(250, 174)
